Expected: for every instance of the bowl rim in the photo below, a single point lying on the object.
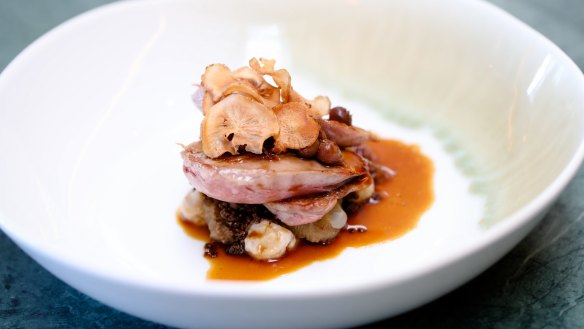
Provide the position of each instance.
(238, 289)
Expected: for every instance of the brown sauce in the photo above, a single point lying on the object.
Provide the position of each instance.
(407, 196)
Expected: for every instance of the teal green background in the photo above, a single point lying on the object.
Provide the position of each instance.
(539, 284)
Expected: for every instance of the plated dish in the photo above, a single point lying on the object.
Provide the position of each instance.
(279, 181)
(103, 106)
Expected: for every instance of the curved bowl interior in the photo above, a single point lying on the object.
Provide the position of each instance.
(486, 80)
(89, 115)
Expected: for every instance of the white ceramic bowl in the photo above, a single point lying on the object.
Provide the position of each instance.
(91, 176)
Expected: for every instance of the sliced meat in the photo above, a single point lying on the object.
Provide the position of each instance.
(258, 179)
(344, 135)
(303, 210)
(309, 209)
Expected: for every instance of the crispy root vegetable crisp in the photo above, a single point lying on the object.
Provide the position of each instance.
(273, 168)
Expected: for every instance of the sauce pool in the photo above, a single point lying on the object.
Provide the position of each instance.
(406, 196)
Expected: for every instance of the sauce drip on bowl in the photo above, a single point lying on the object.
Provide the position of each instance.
(406, 197)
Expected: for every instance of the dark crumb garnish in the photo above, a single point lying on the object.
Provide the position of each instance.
(237, 248)
(211, 249)
(237, 218)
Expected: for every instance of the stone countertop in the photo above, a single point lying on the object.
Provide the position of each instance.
(539, 284)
